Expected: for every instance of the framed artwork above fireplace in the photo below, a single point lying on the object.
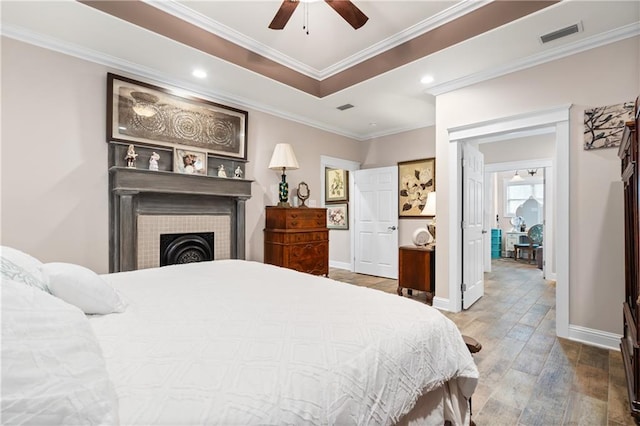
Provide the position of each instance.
(147, 114)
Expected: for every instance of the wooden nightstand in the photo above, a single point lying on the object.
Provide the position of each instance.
(297, 238)
(417, 267)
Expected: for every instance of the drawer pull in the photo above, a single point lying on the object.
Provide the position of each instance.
(294, 223)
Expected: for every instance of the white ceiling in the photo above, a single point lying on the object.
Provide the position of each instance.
(391, 102)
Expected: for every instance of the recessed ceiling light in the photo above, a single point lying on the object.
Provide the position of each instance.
(199, 73)
(426, 79)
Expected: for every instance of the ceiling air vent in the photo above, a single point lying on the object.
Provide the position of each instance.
(563, 32)
(345, 106)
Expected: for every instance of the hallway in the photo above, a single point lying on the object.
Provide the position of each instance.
(527, 375)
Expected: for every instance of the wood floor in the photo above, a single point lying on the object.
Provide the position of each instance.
(527, 375)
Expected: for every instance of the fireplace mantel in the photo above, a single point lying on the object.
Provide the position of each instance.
(128, 180)
(137, 191)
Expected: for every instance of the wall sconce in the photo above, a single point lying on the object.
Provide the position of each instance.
(283, 158)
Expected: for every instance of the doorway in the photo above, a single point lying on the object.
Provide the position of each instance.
(556, 120)
(494, 174)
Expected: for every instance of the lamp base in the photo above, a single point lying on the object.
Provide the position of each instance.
(432, 230)
(284, 204)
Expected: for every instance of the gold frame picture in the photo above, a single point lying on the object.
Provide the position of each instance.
(336, 185)
(415, 180)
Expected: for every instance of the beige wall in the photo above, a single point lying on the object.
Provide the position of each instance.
(54, 158)
(602, 76)
(406, 146)
(520, 149)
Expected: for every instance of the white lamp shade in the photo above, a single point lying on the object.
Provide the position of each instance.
(516, 177)
(430, 207)
(283, 158)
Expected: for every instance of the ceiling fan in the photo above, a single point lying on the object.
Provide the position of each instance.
(345, 8)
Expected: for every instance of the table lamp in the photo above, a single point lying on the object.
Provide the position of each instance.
(430, 210)
(283, 158)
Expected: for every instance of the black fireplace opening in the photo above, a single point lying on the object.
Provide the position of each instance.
(186, 248)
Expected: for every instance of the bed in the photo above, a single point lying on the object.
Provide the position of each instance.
(235, 342)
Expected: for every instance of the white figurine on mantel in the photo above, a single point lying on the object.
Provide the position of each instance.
(238, 173)
(221, 171)
(153, 161)
(131, 157)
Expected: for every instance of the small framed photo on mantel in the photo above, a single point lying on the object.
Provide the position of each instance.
(189, 161)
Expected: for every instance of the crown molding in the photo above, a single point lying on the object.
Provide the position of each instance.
(181, 11)
(622, 33)
(139, 71)
(187, 14)
(459, 9)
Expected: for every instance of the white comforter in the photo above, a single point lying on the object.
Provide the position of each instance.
(236, 343)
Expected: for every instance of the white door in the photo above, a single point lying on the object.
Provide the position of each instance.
(489, 219)
(376, 221)
(472, 225)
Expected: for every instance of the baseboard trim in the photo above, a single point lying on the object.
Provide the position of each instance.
(339, 265)
(441, 303)
(593, 337)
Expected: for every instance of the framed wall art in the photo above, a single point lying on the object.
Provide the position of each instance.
(415, 180)
(336, 185)
(138, 112)
(189, 161)
(603, 126)
(338, 216)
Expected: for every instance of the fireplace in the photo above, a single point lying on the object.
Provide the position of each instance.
(186, 248)
(145, 204)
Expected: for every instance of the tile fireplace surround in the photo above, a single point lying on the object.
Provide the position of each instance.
(136, 194)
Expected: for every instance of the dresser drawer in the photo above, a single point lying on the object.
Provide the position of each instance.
(295, 218)
(283, 237)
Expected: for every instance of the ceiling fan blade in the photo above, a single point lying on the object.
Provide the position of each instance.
(283, 14)
(349, 12)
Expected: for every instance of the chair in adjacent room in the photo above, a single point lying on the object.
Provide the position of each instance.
(534, 241)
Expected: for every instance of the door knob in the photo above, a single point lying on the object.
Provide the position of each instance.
(392, 228)
(484, 231)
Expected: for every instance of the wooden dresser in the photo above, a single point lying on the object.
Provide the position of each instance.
(417, 270)
(297, 238)
(629, 153)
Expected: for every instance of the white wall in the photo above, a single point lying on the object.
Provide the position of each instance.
(54, 158)
(602, 76)
(389, 151)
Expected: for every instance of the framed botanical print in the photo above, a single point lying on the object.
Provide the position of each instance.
(415, 180)
(336, 185)
(338, 216)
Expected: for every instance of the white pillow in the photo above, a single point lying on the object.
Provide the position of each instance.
(19, 266)
(53, 371)
(82, 287)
